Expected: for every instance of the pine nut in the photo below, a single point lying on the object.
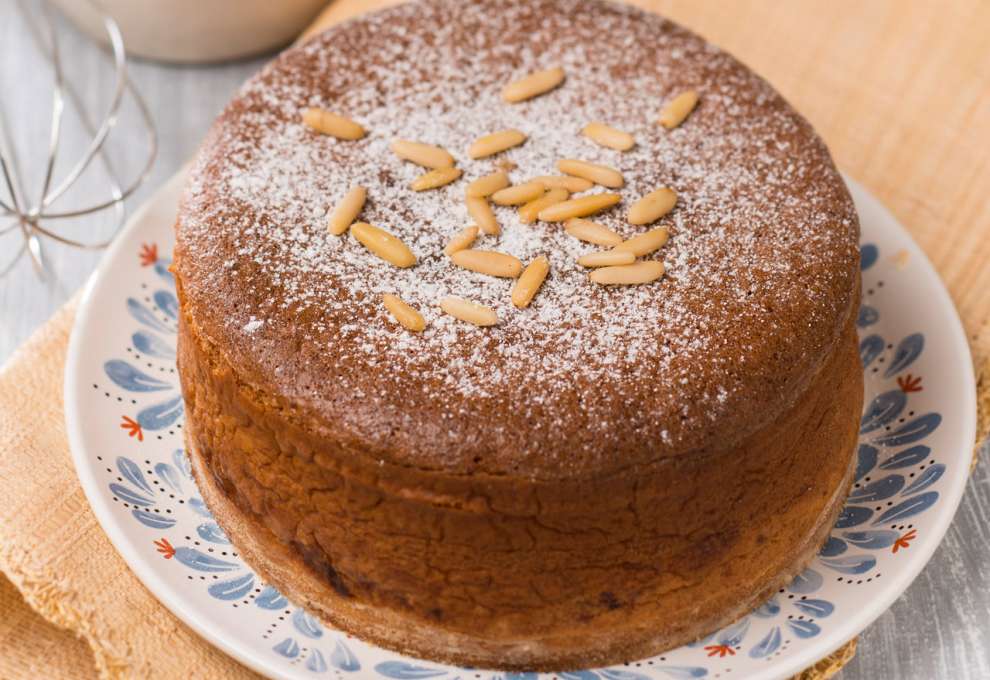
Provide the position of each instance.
(462, 240)
(427, 155)
(528, 212)
(518, 194)
(533, 85)
(406, 315)
(487, 185)
(591, 232)
(606, 135)
(482, 214)
(678, 108)
(347, 210)
(492, 144)
(383, 244)
(652, 207)
(599, 174)
(472, 312)
(331, 124)
(607, 258)
(572, 184)
(628, 274)
(435, 179)
(530, 281)
(488, 262)
(644, 244)
(578, 207)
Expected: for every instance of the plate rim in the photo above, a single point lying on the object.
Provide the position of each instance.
(862, 618)
(140, 567)
(856, 620)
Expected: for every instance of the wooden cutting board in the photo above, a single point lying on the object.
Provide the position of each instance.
(900, 91)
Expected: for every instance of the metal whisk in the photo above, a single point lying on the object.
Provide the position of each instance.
(33, 213)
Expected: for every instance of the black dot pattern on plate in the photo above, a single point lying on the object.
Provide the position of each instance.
(859, 581)
(783, 647)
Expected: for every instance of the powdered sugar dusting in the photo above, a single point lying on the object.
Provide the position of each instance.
(759, 265)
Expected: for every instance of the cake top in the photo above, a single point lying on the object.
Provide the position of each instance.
(761, 263)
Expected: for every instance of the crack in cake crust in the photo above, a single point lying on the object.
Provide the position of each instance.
(492, 573)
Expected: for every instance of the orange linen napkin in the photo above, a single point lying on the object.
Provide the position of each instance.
(53, 550)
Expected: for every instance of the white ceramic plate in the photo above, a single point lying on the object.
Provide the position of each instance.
(124, 415)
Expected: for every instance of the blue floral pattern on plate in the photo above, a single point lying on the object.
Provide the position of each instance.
(144, 482)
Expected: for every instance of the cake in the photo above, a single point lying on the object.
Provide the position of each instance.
(590, 475)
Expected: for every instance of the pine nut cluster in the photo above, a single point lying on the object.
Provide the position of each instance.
(547, 198)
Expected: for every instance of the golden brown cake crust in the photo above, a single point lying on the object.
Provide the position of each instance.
(458, 570)
(761, 263)
(605, 474)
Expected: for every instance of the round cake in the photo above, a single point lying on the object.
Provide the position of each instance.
(542, 473)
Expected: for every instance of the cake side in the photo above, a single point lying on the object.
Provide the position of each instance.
(495, 572)
(761, 263)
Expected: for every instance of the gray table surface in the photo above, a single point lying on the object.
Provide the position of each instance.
(940, 628)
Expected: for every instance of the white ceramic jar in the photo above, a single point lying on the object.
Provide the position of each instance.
(198, 31)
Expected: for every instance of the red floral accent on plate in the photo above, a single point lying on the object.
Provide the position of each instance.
(133, 428)
(905, 540)
(720, 650)
(909, 383)
(165, 548)
(149, 254)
